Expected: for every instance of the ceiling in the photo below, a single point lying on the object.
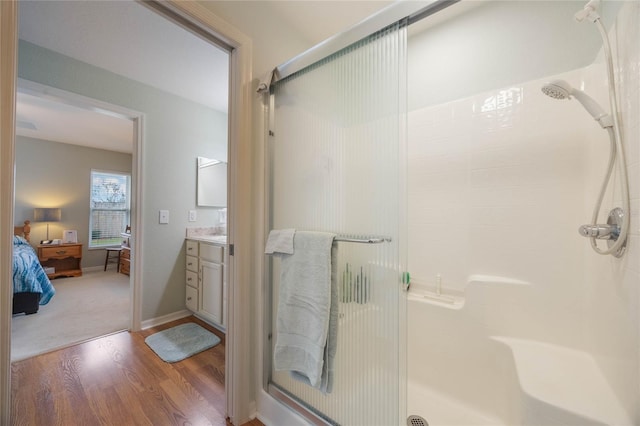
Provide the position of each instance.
(40, 117)
(126, 38)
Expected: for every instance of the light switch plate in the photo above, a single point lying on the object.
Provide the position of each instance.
(193, 215)
(164, 216)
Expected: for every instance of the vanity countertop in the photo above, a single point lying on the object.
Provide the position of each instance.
(216, 239)
(207, 234)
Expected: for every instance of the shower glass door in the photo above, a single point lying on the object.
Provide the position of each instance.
(336, 163)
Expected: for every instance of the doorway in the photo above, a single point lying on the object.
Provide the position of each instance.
(239, 136)
(61, 140)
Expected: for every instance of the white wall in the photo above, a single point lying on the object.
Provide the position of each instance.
(273, 39)
(281, 30)
(52, 174)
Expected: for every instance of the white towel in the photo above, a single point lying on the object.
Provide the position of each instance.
(280, 241)
(326, 379)
(304, 310)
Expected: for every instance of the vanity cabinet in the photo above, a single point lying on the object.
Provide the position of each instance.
(205, 281)
(211, 279)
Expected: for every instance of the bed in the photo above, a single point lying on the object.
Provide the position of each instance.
(31, 286)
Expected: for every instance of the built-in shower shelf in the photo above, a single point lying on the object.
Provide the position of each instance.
(445, 299)
(495, 279)
(565, 384)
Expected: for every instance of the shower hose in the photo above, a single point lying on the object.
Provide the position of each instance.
(616, 148)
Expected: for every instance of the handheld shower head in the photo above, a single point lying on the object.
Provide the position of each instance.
(557, 89)
(560, 89)
(589, 12)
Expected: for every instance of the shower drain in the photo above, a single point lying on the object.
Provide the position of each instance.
(416, 421)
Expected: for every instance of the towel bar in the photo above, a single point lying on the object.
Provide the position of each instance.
(369, 240)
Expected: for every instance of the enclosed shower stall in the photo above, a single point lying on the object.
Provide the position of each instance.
(467, 291)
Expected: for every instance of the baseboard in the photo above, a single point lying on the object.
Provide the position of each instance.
(211, 323)
(99, 268)
(165, 319)
(93, 269)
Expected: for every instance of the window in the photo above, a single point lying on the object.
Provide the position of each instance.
(110, 208)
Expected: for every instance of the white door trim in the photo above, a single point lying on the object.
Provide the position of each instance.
(137, 118)
(8, 71)
(240, 395)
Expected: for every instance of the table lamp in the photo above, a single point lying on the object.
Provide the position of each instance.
(47, 215)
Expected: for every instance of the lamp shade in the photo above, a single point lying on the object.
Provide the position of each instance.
(47, 215)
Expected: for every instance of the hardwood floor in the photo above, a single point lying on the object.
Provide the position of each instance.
(119, 380)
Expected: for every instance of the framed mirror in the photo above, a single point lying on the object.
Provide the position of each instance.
(211, 183)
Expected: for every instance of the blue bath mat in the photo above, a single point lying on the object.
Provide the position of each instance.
(182, 341)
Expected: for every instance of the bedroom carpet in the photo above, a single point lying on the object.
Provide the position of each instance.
(95, 304)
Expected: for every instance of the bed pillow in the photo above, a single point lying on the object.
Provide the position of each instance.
(17, 240)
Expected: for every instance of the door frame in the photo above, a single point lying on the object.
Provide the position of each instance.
(137, 121)
(8, 71)
(239, 393)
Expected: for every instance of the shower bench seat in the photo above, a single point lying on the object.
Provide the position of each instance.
(562, 386)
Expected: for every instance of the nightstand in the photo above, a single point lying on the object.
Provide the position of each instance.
(65, 258)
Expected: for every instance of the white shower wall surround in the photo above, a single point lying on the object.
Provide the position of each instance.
(488, 178)
(498, 185)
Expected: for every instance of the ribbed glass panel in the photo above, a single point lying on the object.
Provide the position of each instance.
(337, 165)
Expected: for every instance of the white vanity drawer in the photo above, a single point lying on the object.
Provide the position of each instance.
(192, 278)
(192, 248)
(192, 298)
(211, 252)
(192, 263)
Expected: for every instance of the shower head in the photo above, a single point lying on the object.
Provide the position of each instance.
(557, 89)
(560, 89)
